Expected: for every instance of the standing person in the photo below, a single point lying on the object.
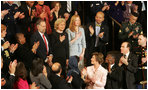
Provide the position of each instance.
(44, 13)
(57, 13)
(76, 36)
(27, 23)
(130, 30)
(44, 50)
(60, 44)
(141, 52)
(130, 7)
(95, 76)
(97, 35)
(128, 64)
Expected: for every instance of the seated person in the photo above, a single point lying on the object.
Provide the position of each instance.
(57, 81)
(95, 76)
(38, 74)
(74, 71)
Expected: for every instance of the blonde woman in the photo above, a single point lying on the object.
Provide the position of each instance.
(76, 36)
(60, 44)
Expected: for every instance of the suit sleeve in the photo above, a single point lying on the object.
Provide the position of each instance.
(133, 65)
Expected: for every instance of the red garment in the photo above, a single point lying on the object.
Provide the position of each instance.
(45, 43)
(39, 10)
(21, 84)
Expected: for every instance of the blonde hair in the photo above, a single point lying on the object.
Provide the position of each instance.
(3, 27)
(71, 25)
(58, 21)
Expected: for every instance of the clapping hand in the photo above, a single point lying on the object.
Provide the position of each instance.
(101, 34)
(12, 66)
(91, 30)
(13, 47)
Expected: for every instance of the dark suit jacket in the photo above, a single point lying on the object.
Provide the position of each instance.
(9, 81)
(90, 40)
(24, 54)
(41, 51)
(58, 82)
(113, 78)
(26, 22)
(129, 71)
(6, 55)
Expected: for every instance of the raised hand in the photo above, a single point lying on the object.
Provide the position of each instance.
(35, 46)
(6, 45)
(13, 47)
(91, 30)
(12, 66)
(101, 34)
(16, 15)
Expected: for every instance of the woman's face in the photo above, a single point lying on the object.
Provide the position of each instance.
(57, 7)
(77, 21)
(61, 26)
(93, 59)
(3, 34)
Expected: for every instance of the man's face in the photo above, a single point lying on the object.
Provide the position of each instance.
(133, 19)
(124, 48)
(109, 59)
(30, 3)
(141, 40)
(22, 39)
(99, 18)
(42, 27)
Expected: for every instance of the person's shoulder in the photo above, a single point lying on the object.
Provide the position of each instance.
(103, 69)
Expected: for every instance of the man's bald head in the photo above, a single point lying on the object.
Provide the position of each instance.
(56, 67)
(99, 17)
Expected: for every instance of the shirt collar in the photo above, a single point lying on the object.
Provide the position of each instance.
(98, 24)
(40, 33)
(127, 54)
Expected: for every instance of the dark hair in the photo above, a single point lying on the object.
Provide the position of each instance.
(21, 71)
(37, 66)
(135, 14)
(39, 21)
(129, 45)
(99, 57)
(17, 36)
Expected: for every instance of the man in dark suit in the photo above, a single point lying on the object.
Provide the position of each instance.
(57, 81)
(44, 49)
(113, 82)
(128, 64)
(97, 36)
(27, 23)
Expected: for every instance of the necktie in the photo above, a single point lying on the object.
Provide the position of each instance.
(45, 44)
(98, 25)
(124, 56)
(29, 11)
(69, 6)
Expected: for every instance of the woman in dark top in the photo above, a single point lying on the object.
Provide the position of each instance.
(56, 13)
(60, 44)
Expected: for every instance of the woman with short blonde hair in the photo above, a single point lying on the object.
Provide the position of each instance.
(57, 22)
